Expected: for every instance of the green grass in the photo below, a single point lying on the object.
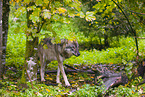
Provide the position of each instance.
(126, 51)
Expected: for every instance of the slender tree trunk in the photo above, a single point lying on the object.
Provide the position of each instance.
(0, 37)
(101, 46)
(3, 33)
(106, 42)
(31, 47)
(31, 52)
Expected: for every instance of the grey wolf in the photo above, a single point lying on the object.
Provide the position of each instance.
(48, 51)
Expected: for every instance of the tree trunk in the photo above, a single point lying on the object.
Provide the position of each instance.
(31, 52)
(101, 46)
(3, 33)
(0, 37)
(31, 47)
(106, 42)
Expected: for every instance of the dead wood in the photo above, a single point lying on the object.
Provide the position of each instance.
(70, 71)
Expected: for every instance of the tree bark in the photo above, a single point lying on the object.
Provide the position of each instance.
(31, 50)
(0, 37)
(3, 35)
(106, 41)
(32, 45)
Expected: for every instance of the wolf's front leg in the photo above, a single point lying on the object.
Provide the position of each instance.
(63, 74)
(58, 76)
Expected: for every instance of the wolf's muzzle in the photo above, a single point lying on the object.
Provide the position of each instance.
(76, 54)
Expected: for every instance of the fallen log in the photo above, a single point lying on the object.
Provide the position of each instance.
(69, 71)
(109, 77)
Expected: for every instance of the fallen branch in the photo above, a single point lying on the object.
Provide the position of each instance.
(69, 71)
(70, 67)
(28, 75)
(140, 37)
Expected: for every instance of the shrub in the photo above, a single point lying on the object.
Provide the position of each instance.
(89, 91)
(15, 50)
(126, 51)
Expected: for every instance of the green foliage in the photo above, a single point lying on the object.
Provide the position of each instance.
(86, 91)
(16, 41)
(125, 91)
(44, 13)
(61, 30)
(123, 50)
(90, 91)
(142, 48)
(10, 89)
(15, 49)
(115, 55)
(17, 20)
(136, 81)
(23, 77)
(129, 66)
(52, 65)
(58, 24)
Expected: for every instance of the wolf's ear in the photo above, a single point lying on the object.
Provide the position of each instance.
(64, 41)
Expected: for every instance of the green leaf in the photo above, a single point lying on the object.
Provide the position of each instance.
(38, 2)
(46, 14)
(124, 62)
(76, 4)
(19, 11)
(67, 1)
(27, 1)
(31, 8)
(34, 18)
(89, 16)
(56, 17)
(81, 14)
(17, 29)
(37, 12)
(30, 38)
(65, 20)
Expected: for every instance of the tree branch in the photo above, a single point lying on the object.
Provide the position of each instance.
(28, 75)
(137, 12)
(133, 31)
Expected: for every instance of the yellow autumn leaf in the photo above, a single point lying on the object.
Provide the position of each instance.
(96, 22)
(92, 77)
(58, 95)
(47, 90)
(62, 10)
(133, 92)
(110, 22)
(78, 14)
(46, 1)
(43, 7)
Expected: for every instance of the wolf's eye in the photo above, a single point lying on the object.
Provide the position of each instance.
(71, 48)
(68, 47)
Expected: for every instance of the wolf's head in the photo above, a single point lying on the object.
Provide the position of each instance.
(70, 48)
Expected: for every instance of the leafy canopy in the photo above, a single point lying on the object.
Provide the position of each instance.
(42, 13)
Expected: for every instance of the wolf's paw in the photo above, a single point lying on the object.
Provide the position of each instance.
(67, 84)
(58, 82)
(43, 80)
